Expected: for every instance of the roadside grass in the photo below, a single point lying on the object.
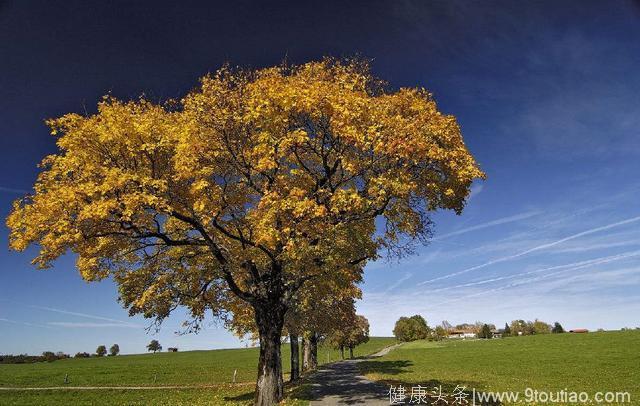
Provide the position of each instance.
(593, 362)
(189, 368)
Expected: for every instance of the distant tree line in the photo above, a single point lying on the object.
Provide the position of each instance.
(47, 356)
(416, 328)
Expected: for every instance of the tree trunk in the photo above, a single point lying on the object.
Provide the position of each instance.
(342, 351)
(313, 346)
(295, 357)
(303, 350)
(306, 355)
(351, 352)
(269, 387)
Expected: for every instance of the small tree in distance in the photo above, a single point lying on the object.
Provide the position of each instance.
(101, 351)
(411, 328)
(507, 330)
(485, 332)
(557, 328)
(154, 346)
(114, 350)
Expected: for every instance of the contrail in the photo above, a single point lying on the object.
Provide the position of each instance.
(24, 323)
(571, 267)
(496, 222)
(89, 316)
(530, 250)
(511, 285)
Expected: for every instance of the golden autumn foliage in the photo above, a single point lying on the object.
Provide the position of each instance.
(251, 186)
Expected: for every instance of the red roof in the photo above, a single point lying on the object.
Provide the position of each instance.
(579, 330)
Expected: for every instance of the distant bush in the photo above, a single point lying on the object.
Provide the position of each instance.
(47, 356)
(82, 355)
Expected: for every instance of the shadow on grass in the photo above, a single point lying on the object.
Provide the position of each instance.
(384, 367)
(244, 397)
(436, 391)
(298, 391)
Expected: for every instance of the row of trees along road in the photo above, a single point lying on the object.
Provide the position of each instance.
(259, 192)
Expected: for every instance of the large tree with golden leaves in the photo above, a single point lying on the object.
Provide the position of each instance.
(252, 185)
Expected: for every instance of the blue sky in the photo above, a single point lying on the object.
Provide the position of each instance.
(547, 94)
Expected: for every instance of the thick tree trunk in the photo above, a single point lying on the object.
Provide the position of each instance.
(295, 357)
(306, 355)
(350, 352)
(313, 353)
(269, 387)
(342, 351)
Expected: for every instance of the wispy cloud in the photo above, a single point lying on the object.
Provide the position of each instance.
(12, 190)
(399, 282)
(85, 315)
(567, 267)
(90, 325)
(23, 323)
(542, 277)
(475, 191)
(503, 220)
(534, 249)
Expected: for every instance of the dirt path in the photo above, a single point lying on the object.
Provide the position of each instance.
(340, 383)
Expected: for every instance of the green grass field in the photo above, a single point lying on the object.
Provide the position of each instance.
(607, 361)
(191, 368)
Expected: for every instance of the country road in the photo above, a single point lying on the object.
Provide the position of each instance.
(340, 383)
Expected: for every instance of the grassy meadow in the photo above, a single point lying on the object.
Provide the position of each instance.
(603, 361)
(607, 361)
(191, 368)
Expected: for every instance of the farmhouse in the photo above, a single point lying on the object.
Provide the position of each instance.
(462, 334)
(497, 333)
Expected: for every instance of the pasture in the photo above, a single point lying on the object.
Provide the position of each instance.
(603, 361)
(207, 375)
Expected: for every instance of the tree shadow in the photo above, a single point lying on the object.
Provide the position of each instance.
(384, 367)
(244, 397)
(437, 391)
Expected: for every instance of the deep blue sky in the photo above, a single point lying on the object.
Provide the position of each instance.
(547, 93)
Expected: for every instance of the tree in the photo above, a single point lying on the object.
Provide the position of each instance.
(101, 351)
(557, 328)
(507, 330)
(411, 328)
(154, 346)
(439, 333)
(49, 356)
(114, 350)
(485, 331)
(518, 327)
(540, 327)
(352, 334)
(252, 185)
